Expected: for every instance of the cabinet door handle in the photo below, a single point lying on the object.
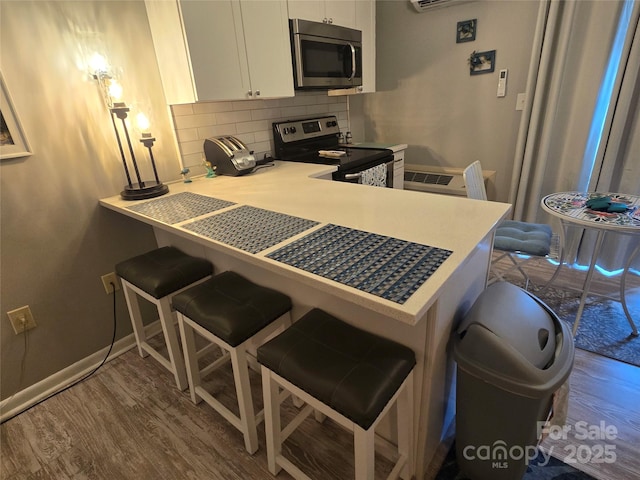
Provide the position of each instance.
(331, 20)
(257, 93)
(250, 93)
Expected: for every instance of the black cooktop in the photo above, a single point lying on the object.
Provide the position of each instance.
(355, 157)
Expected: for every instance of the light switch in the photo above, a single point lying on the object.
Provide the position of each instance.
(520, 100)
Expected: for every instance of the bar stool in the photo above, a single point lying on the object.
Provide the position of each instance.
(156, 276)
(237, 315)
(347, 374)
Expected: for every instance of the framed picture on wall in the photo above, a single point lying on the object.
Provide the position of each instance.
(13, 141)
(482, 62)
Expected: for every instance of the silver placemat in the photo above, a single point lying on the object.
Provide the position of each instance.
(249, 228)
(179, 207)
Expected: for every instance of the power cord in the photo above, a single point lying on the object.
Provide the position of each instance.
(23, 363)
(264, 165)
(104, 360)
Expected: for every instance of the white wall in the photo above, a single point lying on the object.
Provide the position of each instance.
(426, 97)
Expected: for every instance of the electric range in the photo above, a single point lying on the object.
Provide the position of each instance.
(315, 140)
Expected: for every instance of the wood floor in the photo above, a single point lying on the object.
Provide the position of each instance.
(128, 421)
(604, 394)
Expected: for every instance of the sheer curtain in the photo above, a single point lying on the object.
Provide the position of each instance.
(580, 126)
(618, 166)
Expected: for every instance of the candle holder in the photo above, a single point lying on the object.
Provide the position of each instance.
(143, 188)
(112, 91)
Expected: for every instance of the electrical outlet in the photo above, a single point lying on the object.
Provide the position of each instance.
(21, 319)
(107, 280)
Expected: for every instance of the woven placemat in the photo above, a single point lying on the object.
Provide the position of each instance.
(384, 266)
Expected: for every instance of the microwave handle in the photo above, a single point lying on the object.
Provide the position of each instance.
(353, 61)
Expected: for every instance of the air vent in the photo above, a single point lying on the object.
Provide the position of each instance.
(427, 178)
(432, 179)
(443, 180)
(424, 5)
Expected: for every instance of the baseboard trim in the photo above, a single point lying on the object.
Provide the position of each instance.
(24, 399)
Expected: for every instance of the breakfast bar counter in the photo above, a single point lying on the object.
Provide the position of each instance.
(404, 265)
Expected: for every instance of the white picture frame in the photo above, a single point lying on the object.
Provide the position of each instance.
(13, 141)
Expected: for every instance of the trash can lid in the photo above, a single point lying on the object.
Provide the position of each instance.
(517, 318)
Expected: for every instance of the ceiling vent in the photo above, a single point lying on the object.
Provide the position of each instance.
(424, 5)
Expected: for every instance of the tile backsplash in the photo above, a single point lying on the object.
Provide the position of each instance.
(248, 120)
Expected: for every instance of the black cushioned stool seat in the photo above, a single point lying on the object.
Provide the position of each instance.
(237, 315)
(156, 276)
(231, 307)
(163, 271)
(350, 371)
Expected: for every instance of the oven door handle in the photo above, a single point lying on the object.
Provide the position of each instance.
(353, 176)
(353, 61)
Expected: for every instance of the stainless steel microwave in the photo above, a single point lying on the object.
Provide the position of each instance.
(325, 55)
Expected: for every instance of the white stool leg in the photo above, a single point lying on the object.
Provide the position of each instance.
(319, 416)
(272, 427)
(171, 339)
(190, 357)
(245, 401)
(364, 449)
(136, 317)
(404, 407)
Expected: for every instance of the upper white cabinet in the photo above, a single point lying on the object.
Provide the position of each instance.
(222, 50)
(366, 22)
(338, 12)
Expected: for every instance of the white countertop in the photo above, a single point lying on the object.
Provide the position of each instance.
(453, 223)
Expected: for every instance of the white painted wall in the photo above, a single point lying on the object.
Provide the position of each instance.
(426, 97)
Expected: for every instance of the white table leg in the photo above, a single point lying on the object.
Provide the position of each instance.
(623, 300)
(587, 282)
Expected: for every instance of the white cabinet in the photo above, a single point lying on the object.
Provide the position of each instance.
(337, 12)
(365, 21)
(266, 33)
(398, 169)
(222, 50)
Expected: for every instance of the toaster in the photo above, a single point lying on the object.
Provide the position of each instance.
(229, 156)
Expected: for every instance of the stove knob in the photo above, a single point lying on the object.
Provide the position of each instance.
(293, 129)
(286, 130)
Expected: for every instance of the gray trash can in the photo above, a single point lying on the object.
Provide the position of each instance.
(513, 353)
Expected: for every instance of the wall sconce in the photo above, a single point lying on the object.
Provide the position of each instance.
(112, 93)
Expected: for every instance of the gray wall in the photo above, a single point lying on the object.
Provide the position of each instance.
(56, 241)
(425, 95)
